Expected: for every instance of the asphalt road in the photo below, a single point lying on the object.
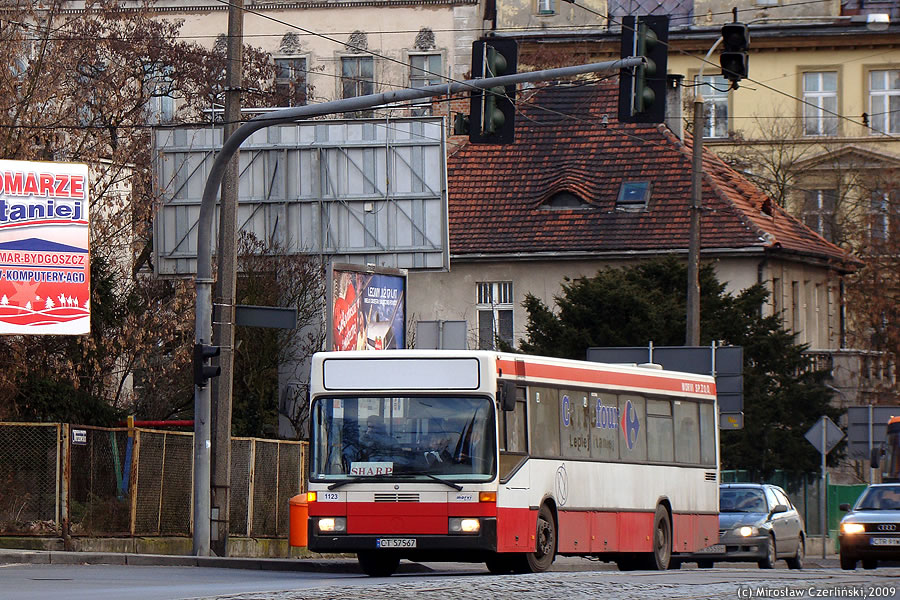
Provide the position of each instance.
(69, 576)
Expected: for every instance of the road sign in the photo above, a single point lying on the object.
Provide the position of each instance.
(833, 435)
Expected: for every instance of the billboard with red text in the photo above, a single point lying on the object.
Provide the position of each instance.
(44, 260)
(368, 309)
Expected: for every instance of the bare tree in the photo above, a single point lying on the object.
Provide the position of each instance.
(269, 276)
(81, 87)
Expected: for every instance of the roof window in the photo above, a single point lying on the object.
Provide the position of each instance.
(633, 195)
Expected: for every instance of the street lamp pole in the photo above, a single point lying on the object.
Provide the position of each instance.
(203, 282)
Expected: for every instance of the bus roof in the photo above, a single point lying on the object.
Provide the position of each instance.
(478, 370)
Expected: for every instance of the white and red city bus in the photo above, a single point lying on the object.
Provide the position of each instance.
(509, 459)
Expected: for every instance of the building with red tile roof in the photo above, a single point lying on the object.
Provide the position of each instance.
(578, 191)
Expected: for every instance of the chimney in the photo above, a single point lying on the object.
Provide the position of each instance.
(674, 117)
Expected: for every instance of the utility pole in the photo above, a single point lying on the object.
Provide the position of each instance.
(223, 332)
(692, 333)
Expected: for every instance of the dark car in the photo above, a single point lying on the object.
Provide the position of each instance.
(871, 530)
(757, 522)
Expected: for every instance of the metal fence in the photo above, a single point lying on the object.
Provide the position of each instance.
(98, 481)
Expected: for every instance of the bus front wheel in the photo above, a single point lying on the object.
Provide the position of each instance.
(545, 545)
(377, 564)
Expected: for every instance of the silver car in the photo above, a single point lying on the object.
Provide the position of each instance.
(757, 522)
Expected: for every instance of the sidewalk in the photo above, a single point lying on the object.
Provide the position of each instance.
(317, 565)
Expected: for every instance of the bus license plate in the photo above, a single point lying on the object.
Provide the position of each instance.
(886, 541)
(395, 543)
(714, 549)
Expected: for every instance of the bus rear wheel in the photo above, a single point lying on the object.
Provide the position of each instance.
(545, 545)
(501, 564)
(377, 564)
(662, 540)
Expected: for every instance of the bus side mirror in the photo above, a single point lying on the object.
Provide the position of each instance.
(507, 393)
(876, 457)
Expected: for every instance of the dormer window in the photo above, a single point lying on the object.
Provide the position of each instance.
(633, 195)
(564, 201)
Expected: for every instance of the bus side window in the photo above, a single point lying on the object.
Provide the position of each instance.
(513, 429)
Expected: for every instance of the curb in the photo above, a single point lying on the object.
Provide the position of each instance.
(317, 565)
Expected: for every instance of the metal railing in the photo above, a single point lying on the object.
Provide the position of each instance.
(58, 479)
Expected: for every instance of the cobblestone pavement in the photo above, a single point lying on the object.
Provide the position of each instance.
(732, 583)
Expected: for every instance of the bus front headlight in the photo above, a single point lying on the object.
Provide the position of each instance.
(332, 524)
(464, 525)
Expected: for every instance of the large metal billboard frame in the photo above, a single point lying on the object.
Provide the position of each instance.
(361, 191)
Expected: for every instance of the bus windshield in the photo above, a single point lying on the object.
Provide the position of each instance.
(402, 437)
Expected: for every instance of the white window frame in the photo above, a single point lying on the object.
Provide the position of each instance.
(881, 96)
(292, 80)
(359, 80)
(546, 7)
(425, 75)
(494, 298)
(820, 218)
(816, 121)
(884, 214)
(160, 109)
(711, 87)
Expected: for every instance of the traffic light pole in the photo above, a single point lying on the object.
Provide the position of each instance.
(204, 280)
(692, 334)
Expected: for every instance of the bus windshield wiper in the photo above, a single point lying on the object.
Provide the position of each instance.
(434, 477)
(355, 479)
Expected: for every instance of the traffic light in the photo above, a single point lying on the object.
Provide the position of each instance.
(492, 113)
(202, 370)
(735, 43)
(642, 89)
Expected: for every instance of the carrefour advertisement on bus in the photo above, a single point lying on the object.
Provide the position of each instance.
(368, 309)
(44, 261)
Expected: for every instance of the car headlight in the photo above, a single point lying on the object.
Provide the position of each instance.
(332, 524)
(851, 528)
(464, 525)
(746, 531)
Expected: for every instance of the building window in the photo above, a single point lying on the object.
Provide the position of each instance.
(821, 103)
(424, 70)
(495, 314)
(884, 216)
(818, 212)
(290, 81)
(357, 76)
(714, 89)
(884, 100)
(633, 195)
(159, 86)
(545, 7)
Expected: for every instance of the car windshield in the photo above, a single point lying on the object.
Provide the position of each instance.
(880, 498)
(410, 437)
(747, 500)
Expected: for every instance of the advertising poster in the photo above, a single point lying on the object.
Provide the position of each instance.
(368, 311)
(44, 262)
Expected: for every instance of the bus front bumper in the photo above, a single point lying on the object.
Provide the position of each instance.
(408, 545)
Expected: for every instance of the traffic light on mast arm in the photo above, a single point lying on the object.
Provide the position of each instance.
(642, 89)
(735, 44)
(203, 371)
(492, 112)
